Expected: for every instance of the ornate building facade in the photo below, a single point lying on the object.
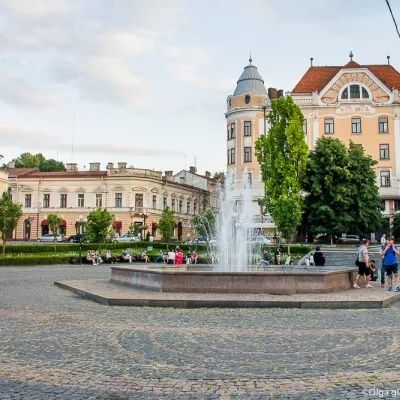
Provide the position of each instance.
(133, 195)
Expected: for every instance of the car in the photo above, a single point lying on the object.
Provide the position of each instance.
(260, 239)
(49, 238)
(78, 238)
(127, 237)
(349, 239)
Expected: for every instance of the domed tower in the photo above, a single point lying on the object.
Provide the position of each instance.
(245, 117)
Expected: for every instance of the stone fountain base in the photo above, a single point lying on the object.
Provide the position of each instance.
(272, 280)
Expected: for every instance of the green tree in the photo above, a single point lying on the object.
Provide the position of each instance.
(134, 229)
(54, 227)
(365, 206)
(204, 223)
(282, 155)
(328, 186)
(396, 226)
(167, 223)
(10, 213)
(28, 160)
(98, 225)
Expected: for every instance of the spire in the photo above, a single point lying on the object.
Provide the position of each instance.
(311, 61)
(351, 55)
(388, 58)
(250, 59)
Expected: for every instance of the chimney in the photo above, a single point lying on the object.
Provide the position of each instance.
(192, 170)
(280, 93)
(94, 166)
(168, 174)
(71, 167)
(208, 174)
(122, 165)
(110, 165)
(272, 94)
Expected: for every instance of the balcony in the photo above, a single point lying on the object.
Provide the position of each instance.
(263, 219)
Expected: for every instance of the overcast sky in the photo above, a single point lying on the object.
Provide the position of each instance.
(146, 81)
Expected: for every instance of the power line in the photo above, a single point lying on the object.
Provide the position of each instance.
(394, 20)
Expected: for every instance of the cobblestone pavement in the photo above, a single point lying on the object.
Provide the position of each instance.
(56, 345)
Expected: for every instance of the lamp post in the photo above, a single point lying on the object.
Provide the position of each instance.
(145, 215)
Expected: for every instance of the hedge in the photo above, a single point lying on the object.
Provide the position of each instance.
(42, 259)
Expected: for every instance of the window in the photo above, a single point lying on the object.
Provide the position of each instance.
(383, 125)
(383, 205)
(233, 131)
(305, 126)
(247, 154)
(385, 178)
(231, 156)
(228, 132)
(180, 207)
(118, 200)
(164, 203)
(188, 208)
(329, 126)
(356, 125)
(63, 200)
(249, 179)
(28, 200)
(173, 204)
(46, 200)
(138, 200)
(247, 99)
(81, 200)
(396, 205)
(384, 151)
(99, 200)
(247, 128)
(355, 92)
(154, 201)
(195, 208)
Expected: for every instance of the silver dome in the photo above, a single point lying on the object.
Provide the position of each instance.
(250, 82)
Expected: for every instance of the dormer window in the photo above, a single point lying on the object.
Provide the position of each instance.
(355, 92)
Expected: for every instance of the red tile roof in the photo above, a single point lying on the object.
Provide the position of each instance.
(316, 78)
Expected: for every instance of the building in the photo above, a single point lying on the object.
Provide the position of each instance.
(3, 179)
(350, 102)
(133, 195)
(360, 103)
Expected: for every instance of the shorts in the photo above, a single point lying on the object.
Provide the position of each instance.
(391, 269)
(362, 269)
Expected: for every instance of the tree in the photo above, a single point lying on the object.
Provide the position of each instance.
(366, 206)
(98, 225)
(328, 186)
(282, 155)
(54, 226)
(10, 213)
(204, 223)
(28, 160)
(396, 226)
(167, 223)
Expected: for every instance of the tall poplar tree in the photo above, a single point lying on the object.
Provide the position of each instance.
(10, 213)
(283, 155)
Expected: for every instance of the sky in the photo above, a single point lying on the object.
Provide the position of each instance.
(146, 82)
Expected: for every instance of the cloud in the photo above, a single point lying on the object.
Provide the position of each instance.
(17, 92)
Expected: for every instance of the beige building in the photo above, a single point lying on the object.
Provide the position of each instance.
(350, 102)
(133, 195)
(358, 103)
(3, 178)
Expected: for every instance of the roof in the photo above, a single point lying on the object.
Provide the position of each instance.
(316, 78)
(35, 173)
(250, 82)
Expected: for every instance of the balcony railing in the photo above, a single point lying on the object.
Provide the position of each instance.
(264, 219)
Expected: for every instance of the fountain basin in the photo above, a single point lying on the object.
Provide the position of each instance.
(271, 280)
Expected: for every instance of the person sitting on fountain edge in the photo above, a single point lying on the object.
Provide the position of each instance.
(319, 259)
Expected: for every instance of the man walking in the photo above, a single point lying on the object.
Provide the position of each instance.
(389, 254)
(363, 261)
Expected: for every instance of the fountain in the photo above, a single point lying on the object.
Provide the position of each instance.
(235, 271)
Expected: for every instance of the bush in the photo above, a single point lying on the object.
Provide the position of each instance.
(35, 259)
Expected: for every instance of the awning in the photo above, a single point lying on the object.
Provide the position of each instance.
(117, 224)
(154, 225)
(63, 222)
(44, 222)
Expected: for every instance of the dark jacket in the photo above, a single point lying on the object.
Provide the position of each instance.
(319, 258)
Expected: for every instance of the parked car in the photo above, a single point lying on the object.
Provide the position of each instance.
(260, 239)
(198, 240)
(349, 239)
(78, 238)
(126, 238)
(49, 238)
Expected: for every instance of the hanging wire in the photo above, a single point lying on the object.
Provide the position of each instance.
(394, 19)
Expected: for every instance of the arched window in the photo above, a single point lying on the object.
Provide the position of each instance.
(352, 92)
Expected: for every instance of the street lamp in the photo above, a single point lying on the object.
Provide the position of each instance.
(145, 215)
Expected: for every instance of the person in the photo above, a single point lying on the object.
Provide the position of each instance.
(171, 257)
(91, 257)
(312, 261)
(374, 272)
(277, 258)
(194, 257)
(108, 257)
(288, 260)
(265, 258)
(178, 256)
(165, 258)
(389, 254)
(126, 256)
(145, 257)
(383, 240)
(307, 262)
(363, 262)
(188, 258)
(319, 258)
(99, 260)
(160, 256)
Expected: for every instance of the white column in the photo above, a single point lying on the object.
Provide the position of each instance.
(315, 129)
